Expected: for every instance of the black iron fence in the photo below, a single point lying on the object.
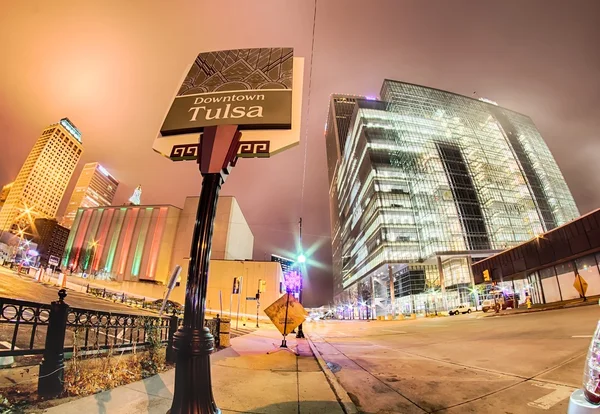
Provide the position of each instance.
(31, 328)
(24, 326)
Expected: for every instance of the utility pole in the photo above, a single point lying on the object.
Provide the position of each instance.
(300, 333)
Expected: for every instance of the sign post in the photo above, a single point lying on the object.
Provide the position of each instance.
(286, 313)
(580, 285)
(223, 93)
(237, 321)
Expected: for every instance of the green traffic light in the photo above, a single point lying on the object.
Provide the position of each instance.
(301, 259)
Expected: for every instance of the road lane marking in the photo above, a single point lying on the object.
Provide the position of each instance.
(548, 401)
(391, 330)
(582, 336)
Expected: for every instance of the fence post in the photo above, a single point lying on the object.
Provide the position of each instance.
(87, 288)
(123, 298)
(218, 331)
(52, 368)
(171, 356)
(104, 293)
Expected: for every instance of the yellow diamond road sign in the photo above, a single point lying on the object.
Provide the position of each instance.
(286, 305)
(580, 285)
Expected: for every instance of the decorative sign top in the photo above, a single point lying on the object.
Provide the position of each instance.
(260, 90)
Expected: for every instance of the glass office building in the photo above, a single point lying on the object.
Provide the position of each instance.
(422, 183)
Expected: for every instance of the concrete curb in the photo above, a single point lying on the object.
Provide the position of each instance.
(342, 396)
(534, 310)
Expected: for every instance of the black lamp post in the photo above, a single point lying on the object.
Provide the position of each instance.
(193, 341)
(301, 260)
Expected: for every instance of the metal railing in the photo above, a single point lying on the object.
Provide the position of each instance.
(23, 326)
(96, 330)
(31, 328)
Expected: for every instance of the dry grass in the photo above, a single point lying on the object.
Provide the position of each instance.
(86, 376)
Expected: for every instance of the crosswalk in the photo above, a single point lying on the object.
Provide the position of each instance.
(240, 331)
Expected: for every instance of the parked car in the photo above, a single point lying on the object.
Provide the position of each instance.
(460, 309)
(499, 299)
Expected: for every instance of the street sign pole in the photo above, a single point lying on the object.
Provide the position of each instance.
(578, 276)
(193, 341)
(258, 90)
(237, 321)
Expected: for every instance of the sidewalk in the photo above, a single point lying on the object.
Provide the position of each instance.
(245, 380)
(565, 304)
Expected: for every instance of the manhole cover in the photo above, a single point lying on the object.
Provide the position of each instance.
(333, 367)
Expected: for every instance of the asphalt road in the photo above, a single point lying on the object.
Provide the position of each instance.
(23, 287)
(514, 364)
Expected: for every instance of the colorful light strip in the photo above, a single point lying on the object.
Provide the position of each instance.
(127, 239)
(139, 248)
(81, 231)
(156, 239)
(104, 226)
(91, 237)
(71, 238)
(115, 240)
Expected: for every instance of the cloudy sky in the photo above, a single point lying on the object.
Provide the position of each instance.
(113, 66)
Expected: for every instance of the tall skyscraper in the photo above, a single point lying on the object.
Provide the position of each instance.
(422, 183)
(4, 193)
(44, 177)
(95, 188)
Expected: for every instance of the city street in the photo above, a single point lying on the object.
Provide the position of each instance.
(463, 364)
(23, 287)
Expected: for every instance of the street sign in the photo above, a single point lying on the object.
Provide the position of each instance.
(250, 298)
(580, 285)
(259, 90)
(486, 276)
(295, 313)
(53, 260)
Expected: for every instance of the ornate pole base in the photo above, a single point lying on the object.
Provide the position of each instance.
(193, 387)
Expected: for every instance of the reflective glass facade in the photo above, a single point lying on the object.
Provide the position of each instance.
(423, 181)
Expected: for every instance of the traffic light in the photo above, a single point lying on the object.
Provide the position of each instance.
(486, 276)
(236, 286)
(301, 258)
(262, 285)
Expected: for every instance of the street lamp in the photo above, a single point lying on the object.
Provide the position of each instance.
(301, 259)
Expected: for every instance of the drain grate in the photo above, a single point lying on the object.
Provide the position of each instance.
(334, 367)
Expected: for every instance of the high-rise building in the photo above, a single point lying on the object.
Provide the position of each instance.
(95, 188)
(4, 193)
(51, 239)
(44, 177)
(422, 183)
(286, 264)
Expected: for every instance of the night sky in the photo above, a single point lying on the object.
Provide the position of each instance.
(113, 66)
